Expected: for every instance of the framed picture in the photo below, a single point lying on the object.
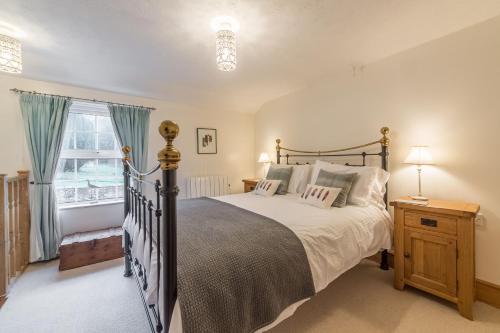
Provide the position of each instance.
(207, 140)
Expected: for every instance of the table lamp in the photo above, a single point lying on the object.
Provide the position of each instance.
(264, 158)
(419, 155)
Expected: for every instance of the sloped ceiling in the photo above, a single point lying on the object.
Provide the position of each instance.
(165, 49)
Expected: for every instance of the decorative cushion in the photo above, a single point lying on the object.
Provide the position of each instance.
(266, 187)
(339, 180)
(319, 196)
(299, 178)
(280, 173)
(368, 187)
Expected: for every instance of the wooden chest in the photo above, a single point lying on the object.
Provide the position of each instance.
(88, 248)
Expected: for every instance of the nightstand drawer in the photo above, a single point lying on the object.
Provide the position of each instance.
(431, 222)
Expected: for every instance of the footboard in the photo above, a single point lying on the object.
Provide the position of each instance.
(150, 229)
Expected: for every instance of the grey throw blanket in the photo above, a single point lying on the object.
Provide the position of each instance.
(237, 270)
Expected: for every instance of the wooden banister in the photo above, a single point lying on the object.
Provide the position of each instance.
(14, 228)
(24, 216)
(3, 237)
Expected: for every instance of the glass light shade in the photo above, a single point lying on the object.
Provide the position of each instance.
(419, 155)
(225, 28)
(10, 55)
(264, 158)
(226, 50)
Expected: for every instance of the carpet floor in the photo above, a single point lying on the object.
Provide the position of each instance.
(98, 298)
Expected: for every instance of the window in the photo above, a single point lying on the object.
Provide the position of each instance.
(90, 167)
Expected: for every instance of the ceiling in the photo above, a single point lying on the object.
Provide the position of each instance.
(166, 49)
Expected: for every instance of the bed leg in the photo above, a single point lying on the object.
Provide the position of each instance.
(126, 254)
(384, 263)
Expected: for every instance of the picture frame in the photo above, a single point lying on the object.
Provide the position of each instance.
(206, 140)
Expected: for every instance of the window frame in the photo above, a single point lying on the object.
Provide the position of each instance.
(92, 109)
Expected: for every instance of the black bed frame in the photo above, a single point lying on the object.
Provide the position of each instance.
(162, 211)
(351, 152)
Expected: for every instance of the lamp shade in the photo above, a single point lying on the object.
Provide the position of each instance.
(419, 155)
(264, 158)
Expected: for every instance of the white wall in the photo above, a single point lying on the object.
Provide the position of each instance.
(444, 94)
(235, 133)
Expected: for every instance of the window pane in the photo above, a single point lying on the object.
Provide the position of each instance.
(120, 190)
(84, 122)
(85, 140)
(106, 167)
(86, 169)
(86, 177)
(69, 141)
(106, 193)
(65, 169)
(65, 195)
(86, 194)
(104, 124)
(70, 125)
(106, 141)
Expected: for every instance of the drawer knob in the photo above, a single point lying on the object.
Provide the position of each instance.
(407, 255)
(429, 222)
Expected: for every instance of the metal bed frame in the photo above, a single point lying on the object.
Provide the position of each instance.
(346, 152)
(162, 211)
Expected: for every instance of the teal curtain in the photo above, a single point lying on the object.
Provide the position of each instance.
(131, 125)
(44, 119)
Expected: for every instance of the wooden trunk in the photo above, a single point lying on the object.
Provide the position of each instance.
(88, 248)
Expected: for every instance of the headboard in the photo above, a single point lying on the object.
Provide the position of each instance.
(356, 152)
(350, 152)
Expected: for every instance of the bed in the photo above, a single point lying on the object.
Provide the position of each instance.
(242, 262)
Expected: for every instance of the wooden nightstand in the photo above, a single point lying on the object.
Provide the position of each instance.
(250, 184)
(434, 249)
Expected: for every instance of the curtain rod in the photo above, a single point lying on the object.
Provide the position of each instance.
(79, 99)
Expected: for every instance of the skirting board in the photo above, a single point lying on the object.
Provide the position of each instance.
(486, 292)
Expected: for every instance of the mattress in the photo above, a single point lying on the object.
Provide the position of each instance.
(334, 239)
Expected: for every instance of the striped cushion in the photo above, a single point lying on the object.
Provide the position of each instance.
(340, 180)
(266, 187)
(319, 196)
(280, 173)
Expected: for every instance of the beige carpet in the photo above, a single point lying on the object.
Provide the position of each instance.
(98, 299)
(90, 299)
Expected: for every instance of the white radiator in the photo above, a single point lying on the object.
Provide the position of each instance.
(208, 186)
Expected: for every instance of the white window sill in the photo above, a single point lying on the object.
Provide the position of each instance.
(89, 204)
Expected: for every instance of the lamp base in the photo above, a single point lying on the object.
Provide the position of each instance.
(419, 198)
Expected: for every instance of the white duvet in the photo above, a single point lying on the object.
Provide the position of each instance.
(334, 239)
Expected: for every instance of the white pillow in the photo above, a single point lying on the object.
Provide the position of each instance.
(368, 187)
(319, 196)
(299, 178)
(266, 187)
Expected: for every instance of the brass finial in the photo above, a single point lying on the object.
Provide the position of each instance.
(278, 141)
(126, 153)
(169, 157)
(385, 139)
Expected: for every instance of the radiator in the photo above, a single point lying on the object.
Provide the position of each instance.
(207, 186)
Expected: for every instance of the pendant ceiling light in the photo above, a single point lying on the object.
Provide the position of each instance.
(10, 55)
(225, 28)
